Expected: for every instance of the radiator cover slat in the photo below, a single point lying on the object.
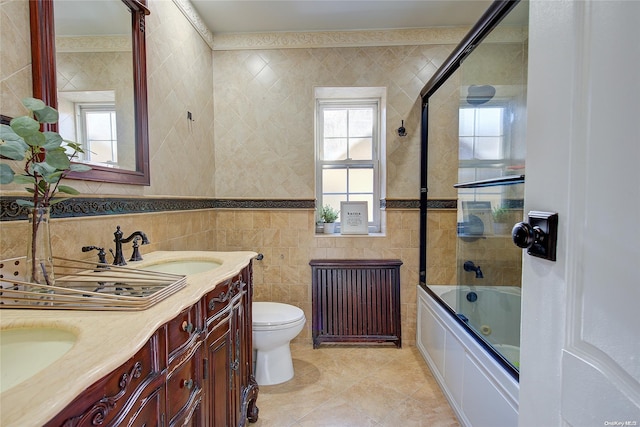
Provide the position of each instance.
(356, 301)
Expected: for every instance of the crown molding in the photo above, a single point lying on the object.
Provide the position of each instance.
(322, 39)
(193, 17)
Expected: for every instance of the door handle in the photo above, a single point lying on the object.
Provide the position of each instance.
(539, 236)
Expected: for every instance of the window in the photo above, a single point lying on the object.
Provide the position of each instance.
(348, 148)
(98, 133)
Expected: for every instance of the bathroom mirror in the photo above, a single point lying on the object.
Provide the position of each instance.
(89, 62)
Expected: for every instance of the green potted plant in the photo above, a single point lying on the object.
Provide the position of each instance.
(500, 220)
(328, 215)
(47, 160)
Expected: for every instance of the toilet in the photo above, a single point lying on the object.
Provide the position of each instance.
(274, 326)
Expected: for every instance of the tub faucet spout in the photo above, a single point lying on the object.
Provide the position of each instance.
(470, 266)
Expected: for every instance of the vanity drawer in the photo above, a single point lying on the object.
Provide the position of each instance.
(219, 298)
(184, 386)
(182, 332)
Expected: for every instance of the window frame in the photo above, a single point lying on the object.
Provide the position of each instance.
(82, 108)
(327, 98)
(492, 193)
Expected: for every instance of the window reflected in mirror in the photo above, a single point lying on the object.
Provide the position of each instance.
(94, 72)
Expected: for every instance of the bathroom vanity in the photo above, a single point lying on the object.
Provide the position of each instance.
(185, 361)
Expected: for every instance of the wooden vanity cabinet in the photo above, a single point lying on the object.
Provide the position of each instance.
(196, 370)
(231, 387)
(131, 395)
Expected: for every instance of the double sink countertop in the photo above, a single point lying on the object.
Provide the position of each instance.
(105, 339)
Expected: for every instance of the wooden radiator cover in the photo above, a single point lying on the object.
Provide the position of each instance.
(356, 301)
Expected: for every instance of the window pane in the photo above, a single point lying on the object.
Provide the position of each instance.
(361, 148)
(101, 151)
(489, 148)
(489, 122)
(334, 181)
(467, 121)
(98, 125)
(360, 122)
(360, 180)
(466, 175)
(488, 173)
(335, 149)
(465, 151)
(335, 123)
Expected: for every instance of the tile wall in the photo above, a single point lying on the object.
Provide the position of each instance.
(261, 119)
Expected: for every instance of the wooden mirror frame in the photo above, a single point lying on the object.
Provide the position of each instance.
(43, 56)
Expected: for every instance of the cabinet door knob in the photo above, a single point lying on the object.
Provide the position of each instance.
(188, 384)
(187, 327)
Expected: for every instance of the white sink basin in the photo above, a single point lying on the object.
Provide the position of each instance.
(183, 266)
(26, 351)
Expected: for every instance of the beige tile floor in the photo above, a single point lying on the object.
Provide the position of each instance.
(342, 386)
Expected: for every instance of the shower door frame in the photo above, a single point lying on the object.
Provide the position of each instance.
(487, 22)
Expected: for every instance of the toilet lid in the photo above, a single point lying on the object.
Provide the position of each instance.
(275, 313)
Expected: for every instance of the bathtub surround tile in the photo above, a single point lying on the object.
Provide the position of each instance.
(342, 386)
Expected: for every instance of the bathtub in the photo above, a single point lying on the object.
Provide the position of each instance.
(492, 312)
(458, 340)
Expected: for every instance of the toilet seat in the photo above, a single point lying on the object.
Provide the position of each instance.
(274, 314)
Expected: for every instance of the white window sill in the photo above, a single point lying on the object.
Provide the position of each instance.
(350, 235)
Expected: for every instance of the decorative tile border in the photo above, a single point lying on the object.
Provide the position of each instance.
(264, 204)
(400, 204)
(442, 204)
(81, 207)
(87, 206)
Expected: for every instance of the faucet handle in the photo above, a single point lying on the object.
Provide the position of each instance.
(102, 255)
(135, 256)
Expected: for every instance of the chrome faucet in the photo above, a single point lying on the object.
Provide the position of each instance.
(118, 258)
(470, 266)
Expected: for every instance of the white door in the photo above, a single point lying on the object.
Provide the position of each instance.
(580, 361)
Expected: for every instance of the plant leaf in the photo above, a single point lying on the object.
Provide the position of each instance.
(25, 126)
(6, 174)
(79, 167)
(58, 200)
(33, 104)
(42, 168)
(7, 134)
(52, 178)
(46, 115)
(13, 150)
(25, 203)
(24, 179)
(58, 159)
(35, 139)
(53, 140)
(68, 190)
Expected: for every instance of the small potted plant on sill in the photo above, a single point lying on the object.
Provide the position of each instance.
(47, 160)
(328, 215)
(500, 220)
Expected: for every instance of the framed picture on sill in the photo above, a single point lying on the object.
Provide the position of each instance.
(354, 218)
(477, 219)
